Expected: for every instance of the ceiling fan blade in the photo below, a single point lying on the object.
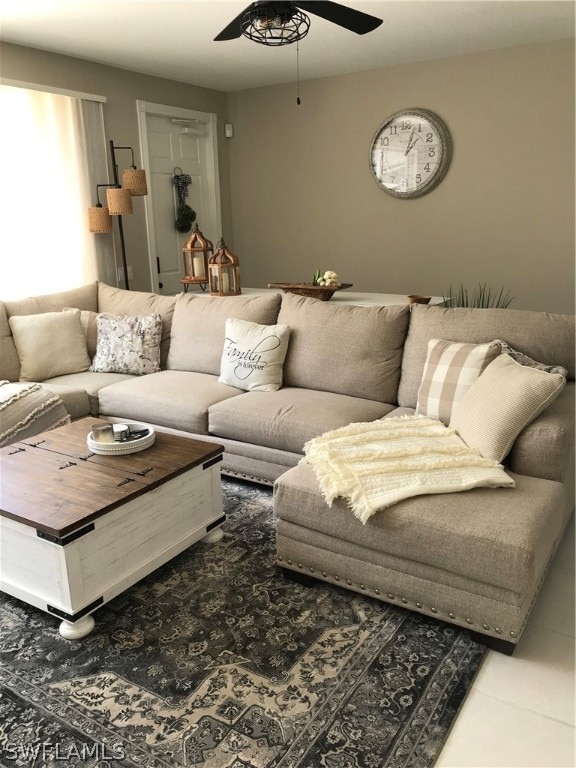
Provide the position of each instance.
(234, 30)
(355, 21)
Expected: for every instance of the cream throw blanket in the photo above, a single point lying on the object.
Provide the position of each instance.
(375, 464)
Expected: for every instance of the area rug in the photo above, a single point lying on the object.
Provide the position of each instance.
(216, 660)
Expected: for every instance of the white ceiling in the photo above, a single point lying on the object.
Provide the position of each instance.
(175, 39)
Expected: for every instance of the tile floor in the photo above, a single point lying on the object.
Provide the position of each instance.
(520, 712)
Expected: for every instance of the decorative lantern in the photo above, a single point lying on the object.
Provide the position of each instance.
(224, 272)
(196, 252)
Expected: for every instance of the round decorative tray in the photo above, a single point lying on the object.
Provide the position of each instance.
(139, 436)
(322, 292)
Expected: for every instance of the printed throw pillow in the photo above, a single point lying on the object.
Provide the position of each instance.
(128, 344)
(49, 344)
(504, 400)
(523, 359)
(450, 368)
(253, 355)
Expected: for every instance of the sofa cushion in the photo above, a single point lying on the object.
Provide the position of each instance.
(503, 400)
(128, 344)
(9, 360)
(89, 323)
(450, 368)
(505, 546)
(49, 344)
(288, 418)
(26, 409)
(118, 301)
(253, 355)
(548, 338)
(344, 349)
(85, 297)
(545, 448)
(75, 399)
(198, 328)
(88, 381)
(175, 399)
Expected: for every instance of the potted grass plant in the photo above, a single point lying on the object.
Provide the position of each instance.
(482, 296)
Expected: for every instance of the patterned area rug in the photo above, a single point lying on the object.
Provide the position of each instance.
(217, 661)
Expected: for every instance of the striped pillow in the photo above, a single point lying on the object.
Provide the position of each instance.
(450, 368)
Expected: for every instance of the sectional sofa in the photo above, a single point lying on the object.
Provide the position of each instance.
(474, 559)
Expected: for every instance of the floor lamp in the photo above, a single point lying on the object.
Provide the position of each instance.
(119, 202)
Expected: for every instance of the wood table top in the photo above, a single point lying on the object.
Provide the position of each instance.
(54, 483)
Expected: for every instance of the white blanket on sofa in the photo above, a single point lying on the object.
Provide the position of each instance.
(375, 464)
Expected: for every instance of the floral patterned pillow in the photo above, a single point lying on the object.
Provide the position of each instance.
(128, 344)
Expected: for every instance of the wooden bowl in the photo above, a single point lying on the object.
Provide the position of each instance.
(322, 292)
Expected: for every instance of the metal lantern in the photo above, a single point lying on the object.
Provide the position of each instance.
(196, 251)
(224, 272)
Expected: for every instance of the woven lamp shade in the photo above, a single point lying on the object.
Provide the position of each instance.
(134, 180)
(119, 201)
(99, 220)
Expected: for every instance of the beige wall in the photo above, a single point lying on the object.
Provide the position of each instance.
(122, 88)
(303, 195)
(297, 192)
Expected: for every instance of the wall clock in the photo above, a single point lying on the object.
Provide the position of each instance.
(410, 153)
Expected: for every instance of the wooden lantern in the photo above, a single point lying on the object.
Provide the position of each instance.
(196, 251)
(224, 272)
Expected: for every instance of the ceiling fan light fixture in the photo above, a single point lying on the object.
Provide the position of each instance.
(275, 24)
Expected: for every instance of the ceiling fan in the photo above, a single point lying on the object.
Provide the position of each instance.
(272, 22)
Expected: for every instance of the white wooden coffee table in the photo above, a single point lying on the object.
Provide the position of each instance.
(77, 529)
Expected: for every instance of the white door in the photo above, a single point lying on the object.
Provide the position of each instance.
(177, 141)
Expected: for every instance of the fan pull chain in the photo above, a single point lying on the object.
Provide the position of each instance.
(298, 74)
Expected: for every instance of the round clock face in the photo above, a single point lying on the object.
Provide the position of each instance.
(410, 153)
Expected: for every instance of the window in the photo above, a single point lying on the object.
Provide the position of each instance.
(45, 191)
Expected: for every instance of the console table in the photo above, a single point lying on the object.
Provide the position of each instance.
(342, 297)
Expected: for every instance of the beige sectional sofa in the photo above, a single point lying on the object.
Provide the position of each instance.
(475, 559)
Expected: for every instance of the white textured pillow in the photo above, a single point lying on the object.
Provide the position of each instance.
(504, 400)
(450, 368)
(49, 344)
(253, 355)
(128, 344)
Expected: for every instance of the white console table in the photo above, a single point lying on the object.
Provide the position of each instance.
(341, 297)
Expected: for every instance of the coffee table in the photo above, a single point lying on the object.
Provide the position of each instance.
(77, 529)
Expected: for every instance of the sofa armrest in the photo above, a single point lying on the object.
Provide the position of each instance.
(545, 448)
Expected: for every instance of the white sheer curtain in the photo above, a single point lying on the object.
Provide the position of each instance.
(45, 192)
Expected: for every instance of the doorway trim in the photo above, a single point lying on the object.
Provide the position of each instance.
(210, 120)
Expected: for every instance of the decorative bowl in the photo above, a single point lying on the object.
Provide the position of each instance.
(111, 447)
(322, 292)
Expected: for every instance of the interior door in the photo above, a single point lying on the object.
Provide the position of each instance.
(178, 145)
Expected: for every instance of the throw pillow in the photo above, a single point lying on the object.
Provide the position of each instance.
(450, 368)
(49, 344)
(128, 344)
(503, 400)
(253, 355)
(523, 359)
(199, 325)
